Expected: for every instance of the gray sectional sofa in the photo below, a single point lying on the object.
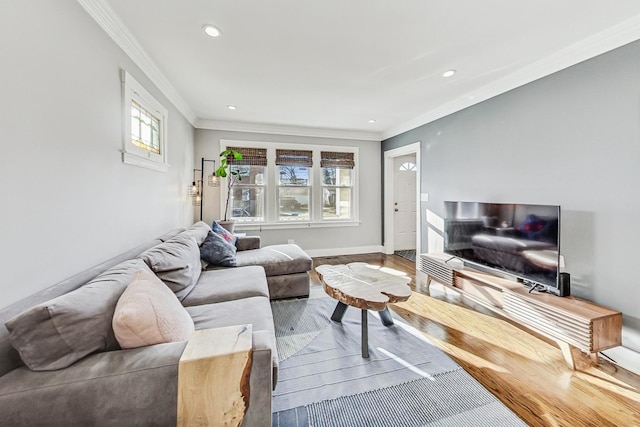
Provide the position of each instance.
(61, 365)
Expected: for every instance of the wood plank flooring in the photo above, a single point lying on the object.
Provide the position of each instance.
(526, 372)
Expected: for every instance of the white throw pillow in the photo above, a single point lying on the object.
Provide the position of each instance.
(149, 313)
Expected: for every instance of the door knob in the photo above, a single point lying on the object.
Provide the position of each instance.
(396, 209)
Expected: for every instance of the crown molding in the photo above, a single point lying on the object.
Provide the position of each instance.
(592, 46)
(111, 23)
(287, 130)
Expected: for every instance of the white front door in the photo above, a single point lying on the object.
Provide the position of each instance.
(404, 205)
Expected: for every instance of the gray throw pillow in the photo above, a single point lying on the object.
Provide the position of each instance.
(176, 262)
(217, 251)
(199, 231)
(61, 331)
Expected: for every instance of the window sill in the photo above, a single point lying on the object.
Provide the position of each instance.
(282, 225)
(132, 159)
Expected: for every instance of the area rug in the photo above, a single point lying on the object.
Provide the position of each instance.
(323, 381)
(408, 255)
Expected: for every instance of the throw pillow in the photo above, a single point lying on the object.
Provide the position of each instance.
(199, 231)
(57, 333)
(217, 251)
(149, 313)
(176, 262)
(224, 233)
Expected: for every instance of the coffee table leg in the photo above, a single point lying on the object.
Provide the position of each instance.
(385, 317)
(338, 313)
(365, 335)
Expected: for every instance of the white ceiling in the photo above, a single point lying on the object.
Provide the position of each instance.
(333, 65)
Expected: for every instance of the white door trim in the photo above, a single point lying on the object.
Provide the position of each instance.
(389, 175)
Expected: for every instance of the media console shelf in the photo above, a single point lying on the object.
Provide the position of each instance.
(574, 324)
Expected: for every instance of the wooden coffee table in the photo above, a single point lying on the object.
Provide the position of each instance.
(366, 287)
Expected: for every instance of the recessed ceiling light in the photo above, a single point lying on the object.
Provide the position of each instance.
(211, 30)
(372, 121)
(232, 107)
(448, 73)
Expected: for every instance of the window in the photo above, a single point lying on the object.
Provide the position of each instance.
(248, 194)
(337, 183)
(145, 131)
(285, 186)
(294, 184)
(407, 167)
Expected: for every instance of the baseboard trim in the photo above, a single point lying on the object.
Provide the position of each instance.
(627, 358)
(344, 251)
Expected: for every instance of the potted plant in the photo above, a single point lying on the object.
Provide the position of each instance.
(225, 171)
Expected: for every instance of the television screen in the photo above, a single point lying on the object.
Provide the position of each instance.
(521, 240)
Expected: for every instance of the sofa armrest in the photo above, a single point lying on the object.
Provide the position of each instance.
(214, 376)
(262, 383)
(245, 243)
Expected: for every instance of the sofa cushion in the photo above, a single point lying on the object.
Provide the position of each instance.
(57, 333)
(176, 262)
(253, 310)
(116, 388)
(227, 284)
(223, 232)
(199, 231)
(149, 313)
(217, 251)
(276, 259)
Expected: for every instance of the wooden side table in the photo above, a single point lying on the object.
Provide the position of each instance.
(213, 377)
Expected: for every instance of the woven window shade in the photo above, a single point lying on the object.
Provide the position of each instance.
(250, 156)
(294, 158)
(335, 159)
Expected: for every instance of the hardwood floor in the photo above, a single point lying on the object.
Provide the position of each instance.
(527, 373)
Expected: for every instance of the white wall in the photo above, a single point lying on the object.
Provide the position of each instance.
(320, 241)
(573, 139)
(68, 201)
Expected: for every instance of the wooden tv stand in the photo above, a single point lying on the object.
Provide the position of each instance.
(574, 324)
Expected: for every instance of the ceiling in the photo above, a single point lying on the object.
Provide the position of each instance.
(331, 66)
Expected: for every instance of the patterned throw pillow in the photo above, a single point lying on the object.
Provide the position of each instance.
(224, 233)
(217, 251)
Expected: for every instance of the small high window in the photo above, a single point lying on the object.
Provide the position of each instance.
(145, 137)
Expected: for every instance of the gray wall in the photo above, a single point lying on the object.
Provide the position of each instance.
(68, 201)
(573, 139)
(317, 241)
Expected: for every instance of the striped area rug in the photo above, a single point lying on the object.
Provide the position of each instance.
(323, 380)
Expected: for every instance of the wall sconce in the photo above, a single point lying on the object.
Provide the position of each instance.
(195, 190)
(212, 180)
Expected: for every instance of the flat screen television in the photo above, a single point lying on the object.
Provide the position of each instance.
(517, 239)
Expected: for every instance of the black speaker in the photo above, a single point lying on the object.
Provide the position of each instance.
(564, 285)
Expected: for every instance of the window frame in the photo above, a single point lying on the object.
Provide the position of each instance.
(294, 158)
(242, 184)
(308, 187)
(132, 154)
(315, 178)
(337, 188)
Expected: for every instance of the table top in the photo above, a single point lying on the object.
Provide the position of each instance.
(363, 285)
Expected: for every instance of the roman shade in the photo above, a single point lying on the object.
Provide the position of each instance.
(250, 156)
(335, 159)
(294, 158)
